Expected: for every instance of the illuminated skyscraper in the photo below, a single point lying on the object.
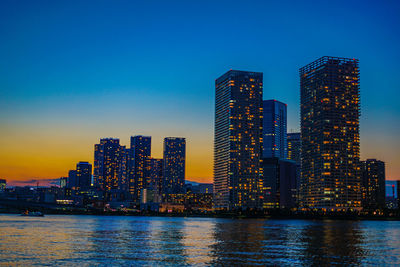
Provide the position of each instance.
(156, 171)
(107, 160)
(373, 180)
(238, 140)
(83, 174)
(174, 165)
(274, 129)
(139, 173)
(330, 143)
(294, 147)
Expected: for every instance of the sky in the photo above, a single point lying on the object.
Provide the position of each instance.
(72, 72)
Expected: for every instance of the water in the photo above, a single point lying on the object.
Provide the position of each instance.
(148, 241)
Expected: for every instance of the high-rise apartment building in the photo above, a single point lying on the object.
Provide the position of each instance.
(83, 174)
(139, 172)
(238, 181)
(281, 183)
(174, 165)
(274, 129)
(373, 181)
(330, 143)
(156, 171)
(107, 160)
(294, 147)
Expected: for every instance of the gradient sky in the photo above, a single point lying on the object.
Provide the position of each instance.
(72, 72)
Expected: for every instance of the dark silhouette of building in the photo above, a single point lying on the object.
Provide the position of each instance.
(294, 147)
(72, 179)
(330, 143)
(281, 183)
(84, 174)
(139, 173)
(373, 180)
(274, 129)
(238, 140)
(174, 165)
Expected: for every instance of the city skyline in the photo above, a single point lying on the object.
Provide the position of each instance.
(50, 115)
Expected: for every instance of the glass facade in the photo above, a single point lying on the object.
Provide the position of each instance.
(330, 111)
(274, 129)
(238, 182)
(174, 165)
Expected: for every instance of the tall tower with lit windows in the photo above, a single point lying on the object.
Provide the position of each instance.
(330, 111)
(238, 180)
(274, 129)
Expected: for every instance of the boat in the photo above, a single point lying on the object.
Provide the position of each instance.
(32, 213)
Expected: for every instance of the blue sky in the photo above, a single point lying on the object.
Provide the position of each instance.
(82, 70)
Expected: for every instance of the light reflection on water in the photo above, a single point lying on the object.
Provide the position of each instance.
(149, 241)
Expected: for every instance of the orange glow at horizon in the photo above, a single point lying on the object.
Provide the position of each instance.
(46, 155)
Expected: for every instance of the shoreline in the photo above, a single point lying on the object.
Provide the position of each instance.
(230, 216)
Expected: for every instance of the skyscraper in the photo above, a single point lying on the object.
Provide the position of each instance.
(156, 171)
(329, 91)
(274, 129)
(373, 181)
(83, 174)
(280, 182)
(294, 147)
(238, 140)
(174, 165)
(107, 160)
(139, 173)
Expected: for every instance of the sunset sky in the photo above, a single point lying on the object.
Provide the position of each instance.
(72, 72)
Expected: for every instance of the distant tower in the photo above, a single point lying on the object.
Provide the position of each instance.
(238, 140)
(84, 174)
(294, 147)
(156, 172)
(72, 179)
(139, 176)
(174, 165)
(330, 139)
(373, 180)
(274, 129)
(107, 160)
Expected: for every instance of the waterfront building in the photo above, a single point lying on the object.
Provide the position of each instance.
(156, 172)
(281, 183)
(174, 165)
(238, 140)
(373, 181)
(83, 174)
(107, 160)
(330, 143)
(294, 147)
(124, 168)
(139, 173)
(274, 129)
(3, 184)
